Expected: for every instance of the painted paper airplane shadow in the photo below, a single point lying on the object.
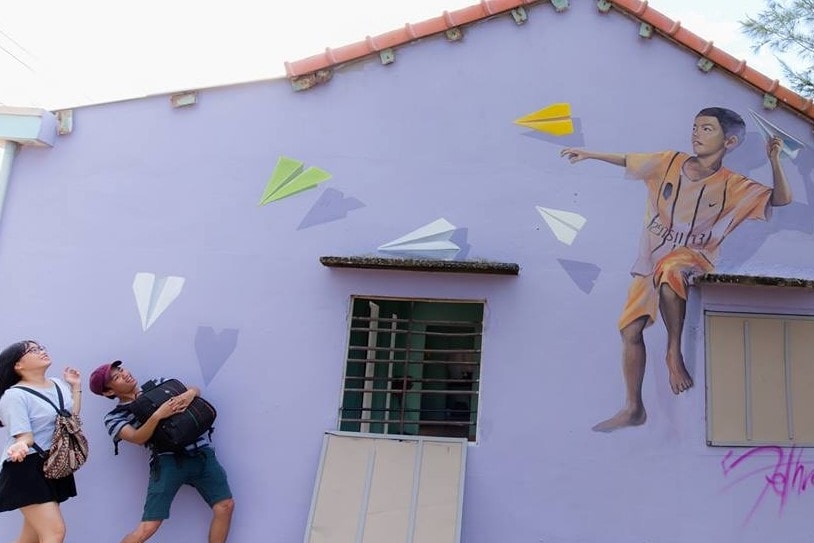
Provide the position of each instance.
(583, 274)
(459, 239)
(332, 205)
(577, 139)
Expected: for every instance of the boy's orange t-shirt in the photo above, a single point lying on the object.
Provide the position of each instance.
(694, 214)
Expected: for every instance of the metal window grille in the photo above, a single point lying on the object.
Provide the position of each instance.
(413, 367)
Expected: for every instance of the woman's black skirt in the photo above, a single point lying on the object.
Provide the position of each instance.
(23, 483)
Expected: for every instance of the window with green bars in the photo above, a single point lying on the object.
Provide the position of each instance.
(413, 367)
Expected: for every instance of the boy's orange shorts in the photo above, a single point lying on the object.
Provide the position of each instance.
(673, 269)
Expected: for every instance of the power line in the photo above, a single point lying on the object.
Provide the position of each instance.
(18, 44)
(15, 57)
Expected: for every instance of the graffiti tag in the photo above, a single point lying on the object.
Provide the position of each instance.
(786, 475)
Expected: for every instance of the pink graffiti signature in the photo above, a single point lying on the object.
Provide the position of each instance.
(788, 476)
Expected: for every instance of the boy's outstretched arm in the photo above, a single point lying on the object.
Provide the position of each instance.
(781, 193)
(143, 433)
(575, 154)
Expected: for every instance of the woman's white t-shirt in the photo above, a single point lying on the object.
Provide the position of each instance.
(21, 412)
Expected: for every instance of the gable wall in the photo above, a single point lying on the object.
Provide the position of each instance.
(140, 187)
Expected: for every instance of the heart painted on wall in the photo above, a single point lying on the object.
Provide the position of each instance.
(214, 349)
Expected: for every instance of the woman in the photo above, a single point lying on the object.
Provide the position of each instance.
(30, 420)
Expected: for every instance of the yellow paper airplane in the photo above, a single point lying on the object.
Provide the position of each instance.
(554, 119)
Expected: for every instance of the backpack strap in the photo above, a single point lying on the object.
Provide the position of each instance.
(118, 408)
(60, 410)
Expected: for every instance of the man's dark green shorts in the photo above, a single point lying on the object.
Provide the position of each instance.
(169, 472)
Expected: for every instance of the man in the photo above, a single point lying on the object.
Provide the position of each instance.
(196, 466)
(693, 203)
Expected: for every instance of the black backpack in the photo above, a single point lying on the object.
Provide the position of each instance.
(177, 431)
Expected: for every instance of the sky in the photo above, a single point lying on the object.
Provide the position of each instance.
(57, 54)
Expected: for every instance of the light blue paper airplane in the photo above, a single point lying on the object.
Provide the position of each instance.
(431, 241)
(154, 295)
(791, 145)
(565, 225)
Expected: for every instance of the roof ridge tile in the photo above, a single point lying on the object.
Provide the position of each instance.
(667, 27)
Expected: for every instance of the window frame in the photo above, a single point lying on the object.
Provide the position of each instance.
(713, 438)
(348, 346)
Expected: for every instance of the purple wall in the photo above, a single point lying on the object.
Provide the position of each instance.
(141, 187)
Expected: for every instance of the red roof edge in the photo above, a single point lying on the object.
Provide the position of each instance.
(410, 32)
(639, 9)
(674, 31)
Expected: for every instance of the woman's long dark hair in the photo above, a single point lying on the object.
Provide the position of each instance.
(8, 358)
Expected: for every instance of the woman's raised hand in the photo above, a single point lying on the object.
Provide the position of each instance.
(72, 377)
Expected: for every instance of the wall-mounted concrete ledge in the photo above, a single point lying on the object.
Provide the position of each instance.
(409, 264)
(753, 280)
(28, 126)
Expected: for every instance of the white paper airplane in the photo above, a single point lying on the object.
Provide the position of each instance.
(430, 241)
(154, 295)
(791, 145)
(565, 224)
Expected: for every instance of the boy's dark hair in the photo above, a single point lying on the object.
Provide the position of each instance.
(8, 358)
(731, 123)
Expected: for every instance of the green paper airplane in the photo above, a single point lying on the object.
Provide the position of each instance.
(289, 178)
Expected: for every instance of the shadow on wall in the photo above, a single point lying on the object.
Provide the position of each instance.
(576, 139)
(459, 238)
(797, 216)
(332, 205)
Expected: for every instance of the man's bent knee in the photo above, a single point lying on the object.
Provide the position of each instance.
(224, 507)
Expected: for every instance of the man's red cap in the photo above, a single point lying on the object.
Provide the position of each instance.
(101, 375)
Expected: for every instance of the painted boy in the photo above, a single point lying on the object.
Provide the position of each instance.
(693, 203)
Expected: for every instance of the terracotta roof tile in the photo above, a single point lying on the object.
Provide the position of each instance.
(639, 9)
(410, 32)
(722, 59)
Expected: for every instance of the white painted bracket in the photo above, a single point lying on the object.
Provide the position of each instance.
(184, 99)
(28, 126)
(64, 121)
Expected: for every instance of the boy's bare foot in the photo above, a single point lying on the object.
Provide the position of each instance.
(680, 379)
(622, 419)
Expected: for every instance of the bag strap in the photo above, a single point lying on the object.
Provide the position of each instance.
(60, 410)
(117, 440)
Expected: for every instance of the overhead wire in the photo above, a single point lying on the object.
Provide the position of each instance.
(18, 44)
(15, 57)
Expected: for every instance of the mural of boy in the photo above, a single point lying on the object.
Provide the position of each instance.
(693, 203)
